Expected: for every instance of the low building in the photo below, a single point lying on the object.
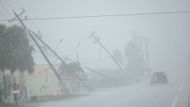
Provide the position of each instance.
(43, 81)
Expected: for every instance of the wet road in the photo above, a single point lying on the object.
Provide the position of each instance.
(175, 94)
(142, 95)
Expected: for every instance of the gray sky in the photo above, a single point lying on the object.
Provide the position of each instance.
(168, 34)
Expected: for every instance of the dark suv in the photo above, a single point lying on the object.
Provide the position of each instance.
(158, 77)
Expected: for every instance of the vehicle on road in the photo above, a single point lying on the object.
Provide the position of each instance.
(158, 78)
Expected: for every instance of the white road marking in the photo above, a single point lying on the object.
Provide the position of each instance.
(175, 101)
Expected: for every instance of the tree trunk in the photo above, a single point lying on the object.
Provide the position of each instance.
(14, 87)
(22, 88)
(5, 87)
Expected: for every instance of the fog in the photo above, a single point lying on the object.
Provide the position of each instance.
(167, 35)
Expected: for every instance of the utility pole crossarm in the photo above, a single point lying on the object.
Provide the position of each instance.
(35, 41)
(17, 15)
(98, 41)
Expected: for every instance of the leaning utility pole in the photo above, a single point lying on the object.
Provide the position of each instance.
(63, 62)
(37, 44)
(106, 50)
(33, 35)
(147, 51)
(36, 35)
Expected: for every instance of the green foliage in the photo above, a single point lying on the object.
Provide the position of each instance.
(15, 49)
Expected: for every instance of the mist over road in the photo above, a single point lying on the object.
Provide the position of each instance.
(139, 95)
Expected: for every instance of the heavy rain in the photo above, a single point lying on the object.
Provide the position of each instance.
(94, 53)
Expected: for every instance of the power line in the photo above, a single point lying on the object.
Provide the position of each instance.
(105, 15)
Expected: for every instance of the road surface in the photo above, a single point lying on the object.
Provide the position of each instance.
(140, 95)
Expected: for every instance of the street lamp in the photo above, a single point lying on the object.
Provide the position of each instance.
(58, 44)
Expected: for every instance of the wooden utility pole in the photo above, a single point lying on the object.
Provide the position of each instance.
(33, 35)
(146, 51)
(37, 44)
(106, 50)
(36, 35)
